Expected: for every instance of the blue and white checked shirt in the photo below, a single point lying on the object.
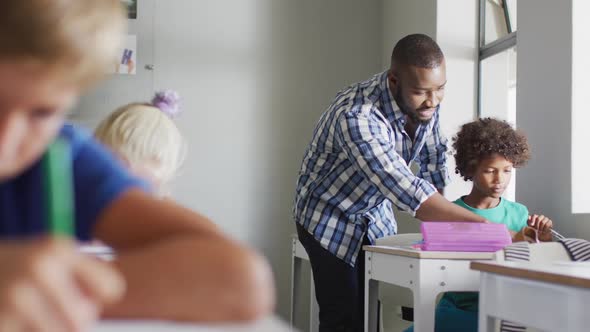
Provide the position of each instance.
(357, 166)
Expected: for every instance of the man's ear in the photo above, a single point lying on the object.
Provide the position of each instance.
(393, 80)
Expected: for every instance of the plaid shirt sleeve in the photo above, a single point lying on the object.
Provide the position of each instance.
(366, 139)
(433, 158)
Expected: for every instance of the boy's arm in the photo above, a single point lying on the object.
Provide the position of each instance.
(535, 228)
(47, 286)
(517, 236)
(178, 265)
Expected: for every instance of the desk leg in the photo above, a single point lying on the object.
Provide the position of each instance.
(485, 322)
(371, 305)
(371, 297)
(295, 286)
(314, 309)
(424, 306)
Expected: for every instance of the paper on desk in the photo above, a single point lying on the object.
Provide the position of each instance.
(266, 325)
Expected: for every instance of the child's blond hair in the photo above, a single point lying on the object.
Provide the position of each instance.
(144, 133)
(78, 39)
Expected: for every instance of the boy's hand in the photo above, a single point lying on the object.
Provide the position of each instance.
(543, 225)
(518, 236)
(47, 286)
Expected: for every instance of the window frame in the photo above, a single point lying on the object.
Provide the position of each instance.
(490, 49)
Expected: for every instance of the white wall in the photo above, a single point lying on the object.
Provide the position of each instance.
(580, 115)
(255, 75)
(121, 89)
(544, 104)
(401, 18)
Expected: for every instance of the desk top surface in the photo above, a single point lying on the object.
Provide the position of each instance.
(408, 251)
(576, 274)
(271, 324)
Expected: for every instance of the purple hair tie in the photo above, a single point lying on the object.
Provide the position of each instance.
(168, 102)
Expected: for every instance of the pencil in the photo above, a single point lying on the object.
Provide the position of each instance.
(58, 188)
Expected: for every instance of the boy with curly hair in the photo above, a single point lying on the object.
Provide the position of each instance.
(486, 153)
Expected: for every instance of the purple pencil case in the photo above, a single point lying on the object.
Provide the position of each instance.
(464, 236)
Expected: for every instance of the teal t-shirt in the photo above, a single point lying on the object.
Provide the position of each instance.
(514, 216)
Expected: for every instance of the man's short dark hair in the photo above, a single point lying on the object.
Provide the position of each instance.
(417, 50)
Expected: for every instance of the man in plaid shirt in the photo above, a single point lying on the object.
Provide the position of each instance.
(356, 169)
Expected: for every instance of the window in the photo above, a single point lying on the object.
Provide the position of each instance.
(499, 19)
(498, 86)
(497, 64)
(497, 59)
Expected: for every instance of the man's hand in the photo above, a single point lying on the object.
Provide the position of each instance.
(47, 286)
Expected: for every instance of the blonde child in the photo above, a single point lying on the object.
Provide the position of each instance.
(145, 138)
(50, 52)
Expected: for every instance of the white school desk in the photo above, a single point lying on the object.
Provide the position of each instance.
(547, 296)
(426, 273)
(271, 324)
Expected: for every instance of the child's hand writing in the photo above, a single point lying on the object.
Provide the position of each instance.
(47, 286)
(543, 225)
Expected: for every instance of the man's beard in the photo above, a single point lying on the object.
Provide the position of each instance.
(410, 113)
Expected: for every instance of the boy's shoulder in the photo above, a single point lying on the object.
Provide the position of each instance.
(75, 135)
(518, 208)
(80, 139)
(514, 205)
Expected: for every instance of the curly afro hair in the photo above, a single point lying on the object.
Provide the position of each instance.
(482, 138)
